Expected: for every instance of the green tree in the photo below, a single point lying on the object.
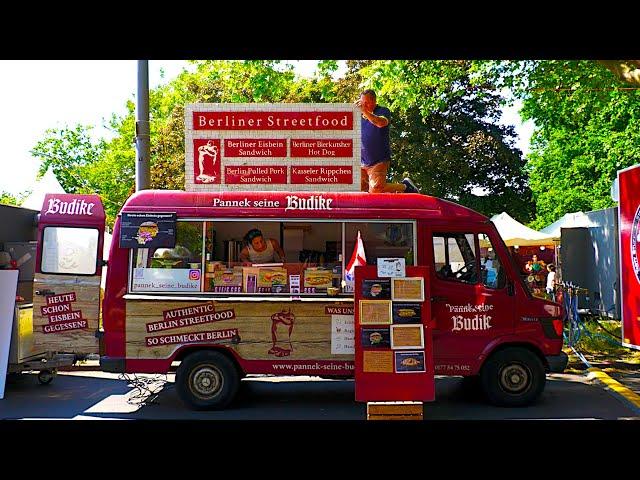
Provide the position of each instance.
(626, 70)
(587, 128)
(85, 166)
(7, 198)
(446, 133)
(68, 152)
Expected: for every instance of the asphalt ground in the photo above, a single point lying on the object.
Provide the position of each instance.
(100, 395)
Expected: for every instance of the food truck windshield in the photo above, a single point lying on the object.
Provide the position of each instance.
(260, 257)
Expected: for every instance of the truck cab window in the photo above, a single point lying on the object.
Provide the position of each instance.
(491, 268)
(455, 257)
(381, 239)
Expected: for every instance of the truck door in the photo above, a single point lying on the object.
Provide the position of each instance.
(66, 300)
(471, 304)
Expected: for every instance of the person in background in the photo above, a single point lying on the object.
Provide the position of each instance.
(376, 148)
(551, 281)
(261, 250)
(536, 265)
(528, 266)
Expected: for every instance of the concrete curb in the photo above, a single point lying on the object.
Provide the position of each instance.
(626, 395)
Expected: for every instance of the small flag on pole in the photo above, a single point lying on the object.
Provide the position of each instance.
(358, 258)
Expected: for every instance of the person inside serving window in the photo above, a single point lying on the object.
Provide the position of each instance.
(261, 250)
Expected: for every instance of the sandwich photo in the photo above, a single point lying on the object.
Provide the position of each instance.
(146, 232)
(274, 278)
(316, 281)
(410, 362)
(376, 289)
(375, 337)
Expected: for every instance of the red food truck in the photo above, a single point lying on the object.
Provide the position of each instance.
(181, 286)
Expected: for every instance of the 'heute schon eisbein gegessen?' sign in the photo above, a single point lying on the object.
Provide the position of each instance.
(275, 147)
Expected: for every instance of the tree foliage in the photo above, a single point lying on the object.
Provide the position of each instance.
(446, 133)
(587, 128)
(7, 198)
(444, 129)
(626, 70)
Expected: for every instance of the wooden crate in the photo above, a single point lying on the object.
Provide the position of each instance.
(394, 411)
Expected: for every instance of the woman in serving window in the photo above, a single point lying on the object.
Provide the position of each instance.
(261, 250)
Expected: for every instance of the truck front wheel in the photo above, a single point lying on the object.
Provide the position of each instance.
(513, 377)
(207, 380)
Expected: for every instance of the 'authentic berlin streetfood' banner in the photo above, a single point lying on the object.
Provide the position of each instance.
(274, 147)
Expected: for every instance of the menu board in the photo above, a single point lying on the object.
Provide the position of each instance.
(407, 312)
(147, 230)
(376, 289)
(374, 312)
(407, 289)
(375, 337)
(406, 337)
(378, 362)
(393, 343)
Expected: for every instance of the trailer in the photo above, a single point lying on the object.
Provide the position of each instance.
(23, 357)
(17, 252)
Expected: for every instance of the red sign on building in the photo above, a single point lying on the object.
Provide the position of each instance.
(312, 174)
(315, 147)
(266, 120)
(255, 147)
(206, 161)
(269, 174)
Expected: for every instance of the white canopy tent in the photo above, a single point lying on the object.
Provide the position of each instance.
(568, 220)
(515, 233)
(47, 184)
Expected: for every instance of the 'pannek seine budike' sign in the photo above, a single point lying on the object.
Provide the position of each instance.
(286, 146)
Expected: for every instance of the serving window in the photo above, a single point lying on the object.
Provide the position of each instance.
(265, 257)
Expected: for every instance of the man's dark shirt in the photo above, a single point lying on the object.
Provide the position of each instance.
(375, 140)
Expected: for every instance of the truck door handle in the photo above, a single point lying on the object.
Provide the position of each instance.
(45, 292)
(438, 299)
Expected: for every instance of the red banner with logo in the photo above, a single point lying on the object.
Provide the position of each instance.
(629, 227)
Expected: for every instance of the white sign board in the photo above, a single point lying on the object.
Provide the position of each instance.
(391, 267)
(342, 334)
(8, 287)
(165, 280)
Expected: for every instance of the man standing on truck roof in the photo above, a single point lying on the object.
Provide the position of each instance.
(376, 149)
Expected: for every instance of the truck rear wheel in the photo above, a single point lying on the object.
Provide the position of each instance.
(207, 380)
(513, 377)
